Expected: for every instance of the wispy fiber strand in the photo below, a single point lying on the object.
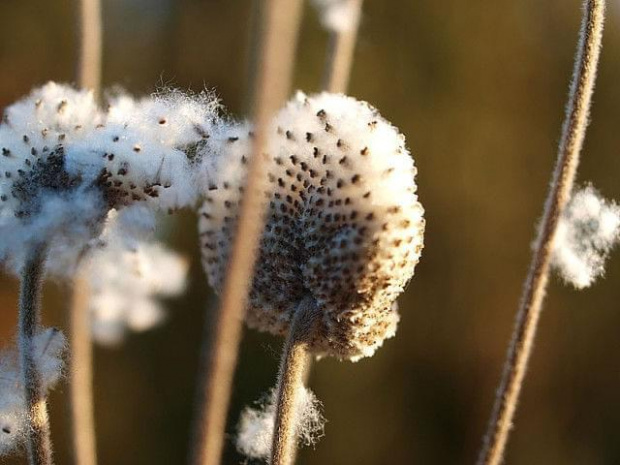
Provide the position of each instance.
(571, 142)
(38, 442)
(277, 48)
(294, 364)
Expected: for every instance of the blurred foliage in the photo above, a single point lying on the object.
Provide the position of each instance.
(478, 87)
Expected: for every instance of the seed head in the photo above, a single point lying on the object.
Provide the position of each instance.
(343, 225)
(61, 155)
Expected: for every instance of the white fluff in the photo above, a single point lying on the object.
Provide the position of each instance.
(588, 230)
(65, 162)
(49, 346)
(256, 425)
(337, 15)
(127, 274)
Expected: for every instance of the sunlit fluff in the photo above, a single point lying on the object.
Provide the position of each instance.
(49, 346)
(255, 429)
(128, 275)
(587, 231)
(343, 226)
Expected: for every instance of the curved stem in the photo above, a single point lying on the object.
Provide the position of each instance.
(340, 53)
(39, 443)
(280, 21)
(90, 45)
(294, 364)
(81, 372)
(571, 142)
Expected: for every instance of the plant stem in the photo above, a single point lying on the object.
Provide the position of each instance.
(277, 48)
(39, 443)
(340, 53)
(82, 411)
(90, 44)
(571, 142)
(294, 364)
(89, 65)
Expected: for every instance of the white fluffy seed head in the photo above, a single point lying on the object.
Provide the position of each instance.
(338, 15)
(343, 226)
(586, 233)
(49, 347)
(58, 148)
(255, 429)
(128, 275)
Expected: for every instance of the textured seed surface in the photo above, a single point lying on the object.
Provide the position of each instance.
(343, 223)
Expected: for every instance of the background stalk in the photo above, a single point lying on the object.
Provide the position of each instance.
(90, 45)
(280, 25)
(571, 142)
(340, 52)
(294, 365)
(81, 373)
(39, 442)
(81, 399)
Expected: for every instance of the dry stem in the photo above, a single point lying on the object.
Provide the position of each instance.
(340, 53)
(294, 364)
(279, 37)
(90, 43)
(39, 443)
(573, 133)
(81, 401)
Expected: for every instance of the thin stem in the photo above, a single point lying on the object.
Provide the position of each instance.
(571, 142)
(81, 400)
(39, 443)
(90, 45)
(294, 364)
(340, 52)
(82, 410)
(279, 38)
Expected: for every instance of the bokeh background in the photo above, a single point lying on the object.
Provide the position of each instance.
(478, 88)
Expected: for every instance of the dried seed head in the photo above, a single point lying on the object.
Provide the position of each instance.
(60, 151)
(344, 224)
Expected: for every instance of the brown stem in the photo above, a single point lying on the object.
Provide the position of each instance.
(39, 443)
(81, 383)
(90, 45)
(340, 53)
(277, 47)
(571, 142)
(294, 364)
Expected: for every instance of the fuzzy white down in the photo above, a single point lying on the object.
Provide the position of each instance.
(128, 274)
(337, 15)
(49, 344)
(256, 425)
(588, 230)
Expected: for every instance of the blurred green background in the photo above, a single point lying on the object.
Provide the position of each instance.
(478, 88)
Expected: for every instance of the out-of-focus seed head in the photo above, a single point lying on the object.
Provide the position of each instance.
(343, 225)
(64, 162)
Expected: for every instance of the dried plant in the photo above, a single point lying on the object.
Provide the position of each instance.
(343, 229)
(571, 142)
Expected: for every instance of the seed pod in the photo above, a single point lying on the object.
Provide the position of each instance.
(343, 223)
